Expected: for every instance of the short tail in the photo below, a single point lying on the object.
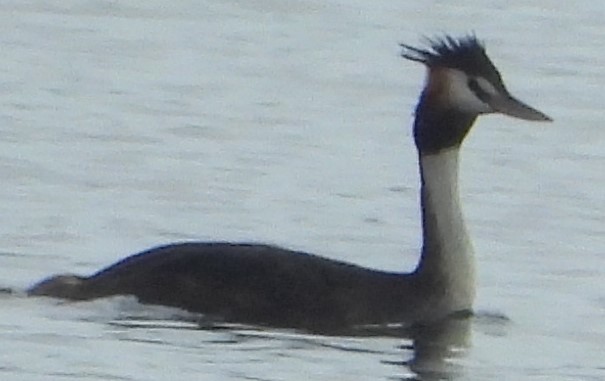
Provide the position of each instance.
(66, 286)
(7, 291)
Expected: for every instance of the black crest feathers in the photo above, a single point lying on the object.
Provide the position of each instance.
(466, 53)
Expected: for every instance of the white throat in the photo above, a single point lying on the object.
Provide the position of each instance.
(447, 255)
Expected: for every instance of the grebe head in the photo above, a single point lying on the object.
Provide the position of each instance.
(461, 77)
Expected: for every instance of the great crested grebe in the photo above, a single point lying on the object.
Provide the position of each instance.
(268, 285)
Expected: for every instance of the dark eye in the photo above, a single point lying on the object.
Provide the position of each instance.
(477, 90)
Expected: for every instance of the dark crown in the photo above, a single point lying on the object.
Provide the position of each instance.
(466, 54)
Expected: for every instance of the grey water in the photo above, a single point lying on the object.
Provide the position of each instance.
(128, 124)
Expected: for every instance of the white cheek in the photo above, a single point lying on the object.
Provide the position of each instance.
(460, 96)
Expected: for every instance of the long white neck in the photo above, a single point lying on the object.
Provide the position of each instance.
(447, 260)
